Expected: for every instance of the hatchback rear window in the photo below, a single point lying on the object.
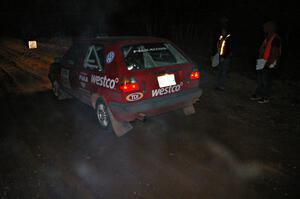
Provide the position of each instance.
(153, 55)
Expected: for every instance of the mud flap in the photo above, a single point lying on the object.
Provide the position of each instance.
(189, 110)
(120, 128)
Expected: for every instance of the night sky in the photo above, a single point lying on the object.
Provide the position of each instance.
(180, 21)
(121, 17)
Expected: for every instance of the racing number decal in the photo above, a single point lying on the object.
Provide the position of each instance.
(134, 96)
(65, 77)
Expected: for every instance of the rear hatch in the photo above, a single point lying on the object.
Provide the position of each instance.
(156, 69)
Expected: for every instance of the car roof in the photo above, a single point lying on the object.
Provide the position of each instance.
(122, 40)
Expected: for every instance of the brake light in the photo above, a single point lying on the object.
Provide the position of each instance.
(129, 85)
(195, 75)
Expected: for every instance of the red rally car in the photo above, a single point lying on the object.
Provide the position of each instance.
(127, 78)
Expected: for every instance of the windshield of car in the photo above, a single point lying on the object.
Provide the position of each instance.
(152, 55)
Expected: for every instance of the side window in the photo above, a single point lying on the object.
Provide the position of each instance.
(94, 59)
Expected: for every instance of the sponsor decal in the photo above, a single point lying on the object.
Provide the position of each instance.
(104, 81)
(149, 50)
(110, 57)
(134, 96)
(167, 90)
(83, 78)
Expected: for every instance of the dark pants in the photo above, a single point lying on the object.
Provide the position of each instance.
(264, 83)
(222, 72)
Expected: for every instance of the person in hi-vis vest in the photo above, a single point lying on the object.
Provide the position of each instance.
(224, 48)
(269, 53)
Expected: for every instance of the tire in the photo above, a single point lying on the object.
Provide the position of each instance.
(103, 115)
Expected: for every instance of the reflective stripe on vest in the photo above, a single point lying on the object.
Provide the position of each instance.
(268, 46)
(222, 41)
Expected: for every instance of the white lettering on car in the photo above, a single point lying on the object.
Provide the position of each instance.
(83, 77)
(149, 50)
(167, 90)
(134, 96)
(104, 81)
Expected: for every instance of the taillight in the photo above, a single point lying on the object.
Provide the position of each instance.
(129, 85)
(195, 75)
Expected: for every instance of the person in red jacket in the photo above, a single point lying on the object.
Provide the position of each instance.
(270, 52)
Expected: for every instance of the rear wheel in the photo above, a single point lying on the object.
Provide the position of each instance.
(103, 115)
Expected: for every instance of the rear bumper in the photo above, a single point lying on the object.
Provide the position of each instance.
(155, 106)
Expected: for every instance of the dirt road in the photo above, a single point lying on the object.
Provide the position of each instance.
(231, 148)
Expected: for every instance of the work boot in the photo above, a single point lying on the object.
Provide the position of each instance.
(264, 100)
(254, 97)
(220, 88)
